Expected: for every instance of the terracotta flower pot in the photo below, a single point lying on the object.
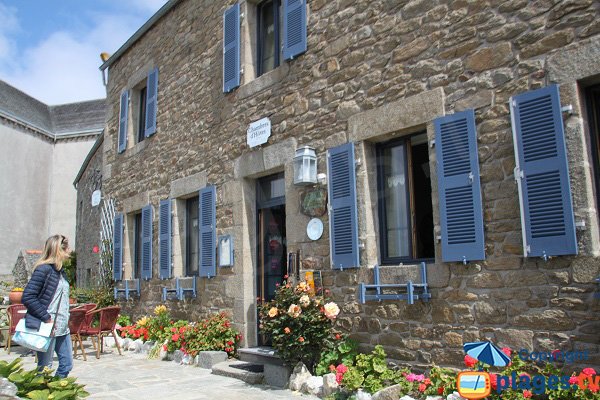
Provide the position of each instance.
(15, 297)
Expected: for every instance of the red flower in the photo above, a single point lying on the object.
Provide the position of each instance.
(427, 381)
(182, 329)
(337, 336)
(301, 339)
(507, 351)
(422, 387)
(441, 390)
(229, 342)
(494, 381)
(527, 394)
(175, 337)
(470, 361)
(173, 329)
(589, 371)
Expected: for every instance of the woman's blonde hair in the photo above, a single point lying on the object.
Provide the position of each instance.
(55, 251)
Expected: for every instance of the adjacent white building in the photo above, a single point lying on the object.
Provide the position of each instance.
(42, 148)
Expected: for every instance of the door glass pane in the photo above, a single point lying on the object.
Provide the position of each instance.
(270, 188)
(274, 249)
(395, 181)
(192, 237)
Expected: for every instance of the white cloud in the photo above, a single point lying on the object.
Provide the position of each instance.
(63, 68)
(9, 24)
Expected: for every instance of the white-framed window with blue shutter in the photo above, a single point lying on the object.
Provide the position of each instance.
(151, 102)
(118, 247)
(208, 231)
(123, 110)
(294, 28)
(231, 48)
(343, 223)
(459, 188)
(404, 200)
(147, 242)
(542, 174)
(164, 239)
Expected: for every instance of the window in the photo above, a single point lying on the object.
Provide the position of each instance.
(268, 36)
(593, 103)
(141, 120)
(137, 246)
(405, 207)
(191, 245)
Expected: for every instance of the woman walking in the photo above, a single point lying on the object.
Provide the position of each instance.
(47, 295)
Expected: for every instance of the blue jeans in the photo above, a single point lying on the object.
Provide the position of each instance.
(64, 350)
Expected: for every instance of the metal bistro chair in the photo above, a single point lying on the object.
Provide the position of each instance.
(108, 321)
(15, 313)
(76, 321)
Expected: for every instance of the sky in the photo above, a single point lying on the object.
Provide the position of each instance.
(50, 49)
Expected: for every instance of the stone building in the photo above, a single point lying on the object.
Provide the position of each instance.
(89, 215)
(42, 148)
(421, 114)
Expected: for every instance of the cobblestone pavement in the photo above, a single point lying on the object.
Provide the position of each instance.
(133, 376)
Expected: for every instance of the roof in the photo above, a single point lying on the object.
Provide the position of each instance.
(60, 121)
(139, 33)
(78, 117)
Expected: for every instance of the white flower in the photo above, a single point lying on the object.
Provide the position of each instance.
(304, 300)
(331, 310)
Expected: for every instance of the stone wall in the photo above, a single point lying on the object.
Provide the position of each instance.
(88, 222)
(374, 70)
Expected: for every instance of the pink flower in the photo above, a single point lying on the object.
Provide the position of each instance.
(422, 387)
(507, 351)
(527, 394)
(419, 378)
(573, 380)
(411, 377)
(589, 371)
(341, 368)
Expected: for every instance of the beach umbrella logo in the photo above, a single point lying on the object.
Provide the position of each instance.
(487, 353)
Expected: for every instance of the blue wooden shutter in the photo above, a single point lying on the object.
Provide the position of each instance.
(147, 242)
(461, 213)
(231, 48)
(294, 28)
(118, 247)
(208, 231)
(343, 225)
(164, 238)
(123, 108)
(151, 102)
(542, 174)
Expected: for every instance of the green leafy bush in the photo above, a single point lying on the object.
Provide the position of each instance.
(340, 351)
(41, 385)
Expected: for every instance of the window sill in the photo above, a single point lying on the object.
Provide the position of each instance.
(264, 81)
(138, 147)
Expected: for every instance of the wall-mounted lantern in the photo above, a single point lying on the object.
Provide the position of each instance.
(305, 166)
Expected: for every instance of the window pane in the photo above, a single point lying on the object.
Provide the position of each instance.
(142, 115)
(396, 204)
(268, 42)
(192, 237)
(137, 265)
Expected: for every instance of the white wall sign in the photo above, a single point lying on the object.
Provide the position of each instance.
(258, 132)
(96, 196)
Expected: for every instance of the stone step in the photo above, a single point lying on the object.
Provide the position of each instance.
(260, 355)
(248, 372)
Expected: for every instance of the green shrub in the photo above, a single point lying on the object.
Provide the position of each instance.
(41, 385)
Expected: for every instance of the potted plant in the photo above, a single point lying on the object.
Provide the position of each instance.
(15, 295)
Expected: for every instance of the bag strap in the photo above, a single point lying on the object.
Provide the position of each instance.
(57, 307)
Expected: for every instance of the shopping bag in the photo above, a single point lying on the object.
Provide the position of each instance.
(30, 338)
